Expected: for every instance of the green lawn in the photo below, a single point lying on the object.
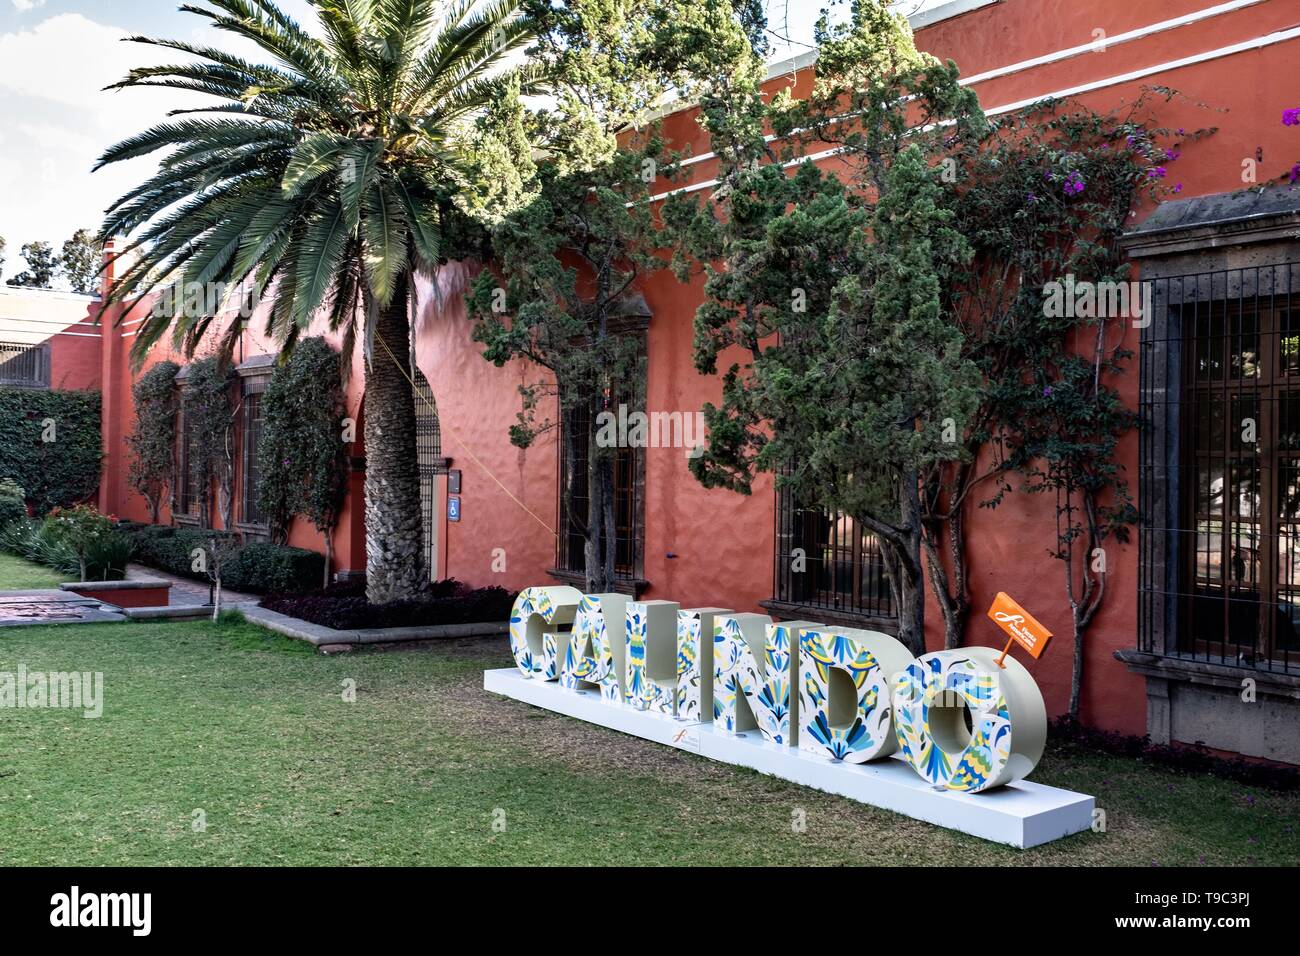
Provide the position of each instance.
(15, 574)
(252, 729)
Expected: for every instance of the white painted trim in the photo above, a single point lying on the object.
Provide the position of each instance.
(1279, 36)
(1116, 40)
(1021, 814)
(955, 8)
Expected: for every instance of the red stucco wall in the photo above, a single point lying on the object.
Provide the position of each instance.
(722, 543)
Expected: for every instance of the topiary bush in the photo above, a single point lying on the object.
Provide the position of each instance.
(50, 445)
(264, 568)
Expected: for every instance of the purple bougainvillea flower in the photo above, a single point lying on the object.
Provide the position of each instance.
(1178, 188)
(1047, 390)
(1295, 172)
(1157, 172)
(1291, 117)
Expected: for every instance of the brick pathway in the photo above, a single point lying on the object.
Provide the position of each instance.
(185, 591)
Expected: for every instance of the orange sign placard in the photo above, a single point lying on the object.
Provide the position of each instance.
(1020, 625)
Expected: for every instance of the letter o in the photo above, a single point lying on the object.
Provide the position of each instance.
(1008, 720)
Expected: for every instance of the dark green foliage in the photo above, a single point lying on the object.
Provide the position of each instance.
(265, 568)
(106, 559)
(331, 169)
(823, 288)
(574, 238)
(153, 439)
(206, 401)
(1045, 195)
(63, 471)
(257, 568)
(42, 266)
(446, 602)
(79, 261)
(13, 502)
(302, 457)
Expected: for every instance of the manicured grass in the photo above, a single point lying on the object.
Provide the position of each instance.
(252, 730)
(16, 573)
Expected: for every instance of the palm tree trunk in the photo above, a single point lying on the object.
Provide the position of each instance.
(394, 556)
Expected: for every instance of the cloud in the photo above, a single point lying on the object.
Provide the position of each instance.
(24, 5)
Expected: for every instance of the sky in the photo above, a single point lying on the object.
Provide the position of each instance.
(56, 56)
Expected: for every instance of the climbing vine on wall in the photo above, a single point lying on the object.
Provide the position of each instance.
(153, 439)
(50, 444)
(302, 455)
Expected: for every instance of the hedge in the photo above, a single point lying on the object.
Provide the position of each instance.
(54, 473)
(256, 568)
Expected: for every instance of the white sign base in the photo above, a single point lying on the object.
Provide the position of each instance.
(1020, 814)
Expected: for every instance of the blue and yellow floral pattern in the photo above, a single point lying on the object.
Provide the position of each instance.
(597, 667)
(643, 692)
(868, 734)
(543, 611)
(690, 628)
(764, 684)
(947, 679)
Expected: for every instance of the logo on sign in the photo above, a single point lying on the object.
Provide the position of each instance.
(1019, 624)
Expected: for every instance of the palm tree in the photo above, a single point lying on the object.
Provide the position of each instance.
(323, 180)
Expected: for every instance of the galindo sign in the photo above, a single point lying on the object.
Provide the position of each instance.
(963, 720)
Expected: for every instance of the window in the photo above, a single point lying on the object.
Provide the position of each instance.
(24, 366)
(251, 468)
(1220, 469)
(1242, 496)
(825, 562)
(574, 498)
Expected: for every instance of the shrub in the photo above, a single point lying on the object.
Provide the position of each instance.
(13, 502)
(78, 530)
(257, 568)
(263, 568)
(106, 557)
(344, 607)
(49, 444)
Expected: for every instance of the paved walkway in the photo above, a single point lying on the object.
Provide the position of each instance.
(186, 591)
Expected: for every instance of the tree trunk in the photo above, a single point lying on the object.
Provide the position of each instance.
(329, 555)
(611, 526)
(394, 556)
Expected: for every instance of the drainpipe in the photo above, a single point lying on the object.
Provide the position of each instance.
(110, 338)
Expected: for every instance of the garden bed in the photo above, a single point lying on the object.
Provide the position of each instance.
(340, 616)
(344, 607)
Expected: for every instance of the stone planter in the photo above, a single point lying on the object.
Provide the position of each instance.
(327, 638)
(140, 592)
